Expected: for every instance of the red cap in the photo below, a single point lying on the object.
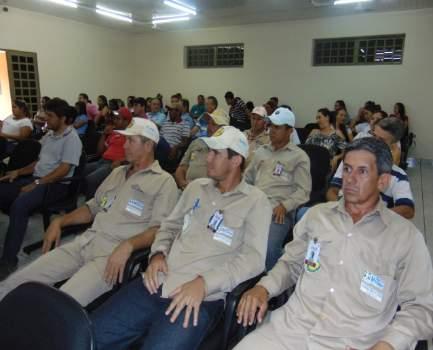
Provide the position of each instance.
(125, 113)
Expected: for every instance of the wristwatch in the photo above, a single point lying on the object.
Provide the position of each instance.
(37, 182)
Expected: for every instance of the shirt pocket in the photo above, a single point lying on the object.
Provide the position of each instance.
(377, 287)
(138, 205)
(229, 235)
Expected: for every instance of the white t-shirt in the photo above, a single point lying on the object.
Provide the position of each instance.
(12, 126)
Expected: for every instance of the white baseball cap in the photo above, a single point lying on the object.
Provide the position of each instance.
(261, 111)
(141, 127)
(283, 116)
(219, 116)
(228, 137)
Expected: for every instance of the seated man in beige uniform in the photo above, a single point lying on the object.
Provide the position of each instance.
(281, 170)
(214, 239)
(353, 262)
(193, 164)
(257, 136)
(126, 211)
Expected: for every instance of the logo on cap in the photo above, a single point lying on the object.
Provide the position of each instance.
(277, 112)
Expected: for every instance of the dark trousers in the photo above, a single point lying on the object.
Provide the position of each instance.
(20, 206)
(134, 312)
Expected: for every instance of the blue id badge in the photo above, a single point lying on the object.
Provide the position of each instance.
(215, 221)
(135, 207)
(373, 286)
(278, 169)
(312, 258)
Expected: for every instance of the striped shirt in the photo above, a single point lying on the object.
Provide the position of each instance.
(174, 131)
(397, 193)
(238, 115)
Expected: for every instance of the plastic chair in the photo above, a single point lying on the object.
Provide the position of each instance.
(38, 317)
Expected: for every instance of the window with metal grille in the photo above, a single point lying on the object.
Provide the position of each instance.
(214, 56)
(368, 50)
(24, 78)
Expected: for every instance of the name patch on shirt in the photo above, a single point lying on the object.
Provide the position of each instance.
(373, 286)
(224, 235)
(135, 207)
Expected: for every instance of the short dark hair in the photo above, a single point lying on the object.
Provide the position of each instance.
(113, 104)
(325, 112)
(378, 148)
(401, 109)
(249, 105)
(84, 95)
(57, 106)
(229, 94)
(275, 99)
(392, 125)
(81, 108)
(140, 101)
(185, 104)
(214, 100)
(71, 115)
(201, 96)
(231, 154)
(342, 104)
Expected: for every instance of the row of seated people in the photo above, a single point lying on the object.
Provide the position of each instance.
(398, 195)
(220, 233)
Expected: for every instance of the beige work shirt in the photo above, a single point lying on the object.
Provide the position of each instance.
(124, 207)
(366, 270)
(284, 175)
(255, 142)
(195, 159)
(235, 252)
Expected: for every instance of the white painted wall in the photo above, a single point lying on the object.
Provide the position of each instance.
(72, 57)
(278, 62)
(75, 57)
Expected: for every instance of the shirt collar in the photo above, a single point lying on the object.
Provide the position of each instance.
(242, 187)
(380, 209)
(66, 132)
(155, 168)
(289, 147)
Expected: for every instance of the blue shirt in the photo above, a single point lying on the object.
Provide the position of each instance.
(197, 110)
(82, 129)
(188, 119)
(157, 117)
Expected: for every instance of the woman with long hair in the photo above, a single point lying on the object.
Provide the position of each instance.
(327, 137)
(338, 121)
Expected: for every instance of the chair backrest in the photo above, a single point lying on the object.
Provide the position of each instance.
(320, 161)
(38, 317)
(25, 153)
(303, 134)
(91, 138)
(78, 173)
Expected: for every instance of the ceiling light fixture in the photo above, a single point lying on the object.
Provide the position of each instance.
(119, 15)
(169, 16)
(178, 5)
(169, 20)
(346, 2)
(68, 3)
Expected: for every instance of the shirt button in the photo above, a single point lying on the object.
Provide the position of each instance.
(332, 290)
(341, 262)
(349, 234)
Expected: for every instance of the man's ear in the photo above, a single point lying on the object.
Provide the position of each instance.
(236, 161)
(384, 181)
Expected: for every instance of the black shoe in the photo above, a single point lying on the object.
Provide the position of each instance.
(6, 268)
